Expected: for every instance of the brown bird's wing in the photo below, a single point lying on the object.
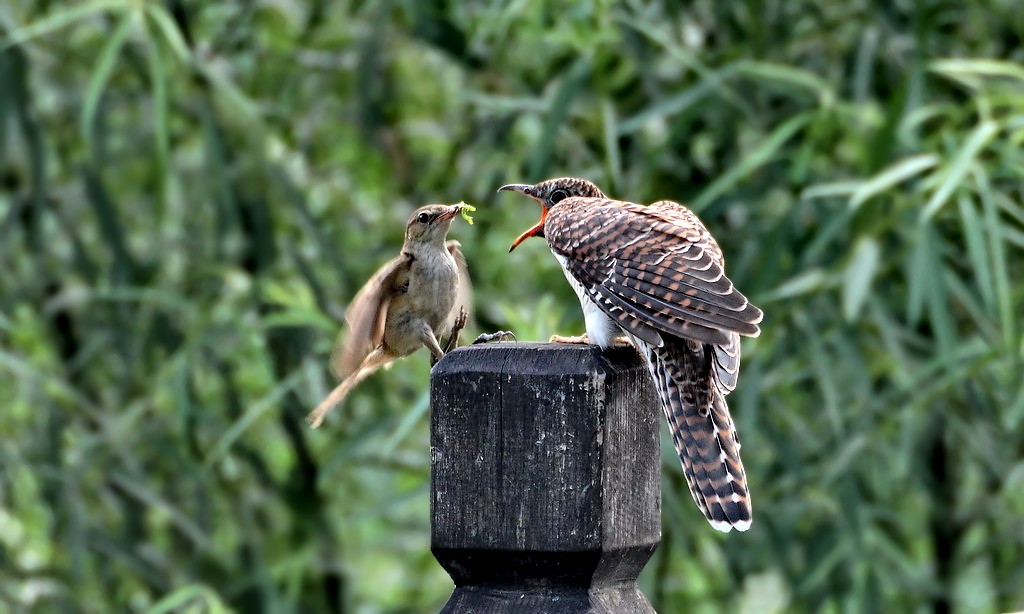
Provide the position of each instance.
(464, 294)
(653, 267)
(364, 318)
(726, 356)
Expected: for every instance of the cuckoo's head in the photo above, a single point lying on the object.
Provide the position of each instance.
(549, 193)
(430, 223)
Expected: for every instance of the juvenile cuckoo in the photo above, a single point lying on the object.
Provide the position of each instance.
(655, 274)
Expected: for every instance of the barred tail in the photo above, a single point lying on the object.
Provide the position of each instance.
(702, 431)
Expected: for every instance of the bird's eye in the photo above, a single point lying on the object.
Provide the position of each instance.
(558, 195)
(423, 218)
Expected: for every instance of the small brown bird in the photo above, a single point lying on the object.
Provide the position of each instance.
(656, 274)
(409, 303)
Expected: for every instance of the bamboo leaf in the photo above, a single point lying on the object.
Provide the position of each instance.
(1000, 271)
(161, 119)
(667, 107)
(892, 176)
(716, 79)
(977, 67)
(786, 76)
(172, 34)
(830, 190)
(954, 174)
(59, 20)
(186, 596)
(409, 420)
(611, 141)
(751, 162)
(922, 270)
(568, 89)
(804, 283)
(101, 75)
(939, 313)
(256, 411)
(141, 491)
(977, 249)
(859, 274)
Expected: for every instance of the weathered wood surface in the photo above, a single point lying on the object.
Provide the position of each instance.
(545, 478)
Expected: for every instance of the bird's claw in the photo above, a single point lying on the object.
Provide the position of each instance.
(453, 338)
(501, 335)
(461, 319)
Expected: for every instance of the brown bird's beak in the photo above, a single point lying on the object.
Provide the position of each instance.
(450, 213)
(538, 228)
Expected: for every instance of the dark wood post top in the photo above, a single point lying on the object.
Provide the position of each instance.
(545, 477)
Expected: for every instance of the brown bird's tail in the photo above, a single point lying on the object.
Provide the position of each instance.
(374, 361)
(702, 431)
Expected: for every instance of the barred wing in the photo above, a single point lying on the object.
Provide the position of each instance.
(653, 269)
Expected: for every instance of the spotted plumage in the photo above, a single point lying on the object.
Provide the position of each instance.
(657, 274)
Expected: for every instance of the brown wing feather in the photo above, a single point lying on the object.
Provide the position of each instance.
(658, 263)
(622, 312)
(364, 318)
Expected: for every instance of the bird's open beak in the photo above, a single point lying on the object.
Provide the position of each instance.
(538, 228)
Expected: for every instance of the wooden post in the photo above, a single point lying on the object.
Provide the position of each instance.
(545, 477)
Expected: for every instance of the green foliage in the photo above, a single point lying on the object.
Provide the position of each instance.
(190, 193)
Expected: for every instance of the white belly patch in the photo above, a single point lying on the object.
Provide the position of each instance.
(601, 329)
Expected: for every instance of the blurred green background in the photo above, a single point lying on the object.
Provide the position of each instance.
(190, 193)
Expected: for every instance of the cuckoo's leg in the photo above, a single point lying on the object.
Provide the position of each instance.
(584, 339)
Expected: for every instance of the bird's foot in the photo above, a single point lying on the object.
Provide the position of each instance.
(621, 341)
(501, 335)
(583, 339)
(453, 338)
(461, 319)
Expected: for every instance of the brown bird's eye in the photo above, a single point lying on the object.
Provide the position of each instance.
(558, 195)
(423, 218)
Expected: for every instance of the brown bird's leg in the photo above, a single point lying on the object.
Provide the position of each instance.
(457, 326)
(429, 340)
(377, 358)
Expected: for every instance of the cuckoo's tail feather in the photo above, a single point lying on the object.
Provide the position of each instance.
(703, 432)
